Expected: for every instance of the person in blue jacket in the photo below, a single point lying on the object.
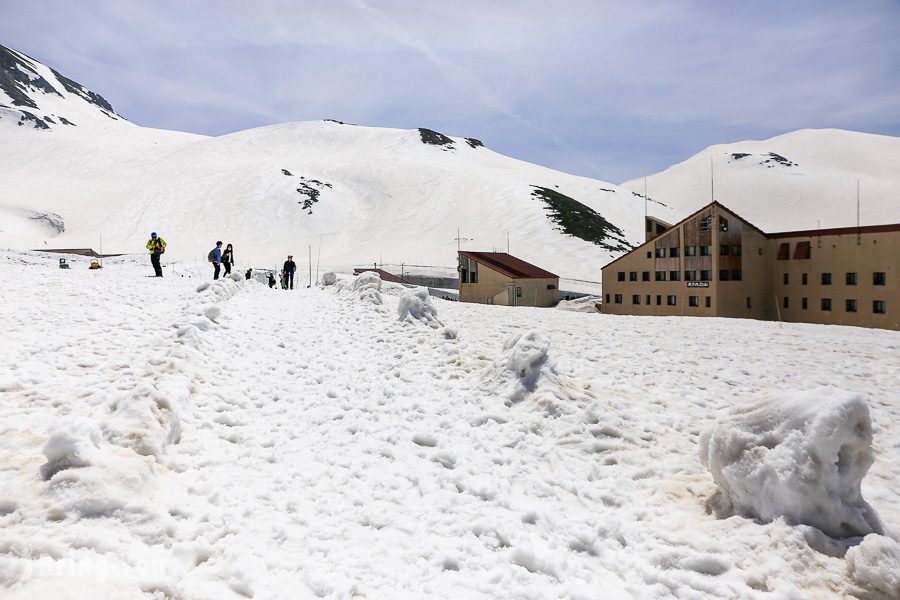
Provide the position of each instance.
(215, 257)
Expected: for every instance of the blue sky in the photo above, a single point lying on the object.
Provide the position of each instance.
(612, 90)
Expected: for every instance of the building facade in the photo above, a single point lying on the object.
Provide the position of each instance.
(499, 278)
(714, 263)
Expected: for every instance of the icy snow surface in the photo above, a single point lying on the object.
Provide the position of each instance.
(226, 440)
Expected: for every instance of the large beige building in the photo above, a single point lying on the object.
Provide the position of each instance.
(499, 278)
(714, 263)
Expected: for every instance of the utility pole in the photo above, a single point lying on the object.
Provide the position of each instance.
(858, 233)
(310, 266)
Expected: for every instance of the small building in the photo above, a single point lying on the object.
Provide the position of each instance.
(716, 264)
(500, 278)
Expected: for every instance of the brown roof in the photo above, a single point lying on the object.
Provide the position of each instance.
(80, 251)
(508, 265)
(385, 276)
(836, 231)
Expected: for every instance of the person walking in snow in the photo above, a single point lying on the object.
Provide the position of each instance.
(156, 245)
(271, 280)
(215, 257)
(248, 274)
(228, 259)
(289, 267)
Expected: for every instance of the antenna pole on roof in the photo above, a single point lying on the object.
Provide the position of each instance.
(858, 234)
(507, 241)
(645, 201)
(712, 181)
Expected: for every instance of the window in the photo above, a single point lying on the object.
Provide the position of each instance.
(801, 251)
(658, 300)
(850, 305)
(723, 224)
(804, 303)
(736, 275)
(660, 253)
(607, 298)
(518, 292)
(674, 276)
(645, 276)
(708, 301)
(635, 298)
(878, 278)
(748, 302)
(826, 278)
(826, 303)
(723, 249)
(473, 271)
(735, 250)
(723, 275)
(621, 276)
(694, 301)
(550, 286)
(851, 278)
(618, 298)
(804, 279)
(705, 250)
(671, 300)
(649, 254)
(632, 276)
(648, 299)
(674, 252)
(878, 307)
(706, 223)
(784, 251)
(785, 302)
(690, 250)
(690, 275)
(705, 275)
(468, 270)
(785, 278)
(660, 275)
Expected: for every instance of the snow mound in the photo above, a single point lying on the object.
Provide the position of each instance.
(329, 278)
(148, 420)
(585, 304)
(235, 277)
(801, 457)
(527, 360)
(874, 565)
(74, 442)
(367, 287)
(416, 307)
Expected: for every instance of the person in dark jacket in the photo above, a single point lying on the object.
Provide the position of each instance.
(289, 267)
(156, 245)
(248, 274)
(228, 259)
(271, 280)
(215, 257)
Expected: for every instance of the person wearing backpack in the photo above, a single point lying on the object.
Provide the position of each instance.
(156, 245)
(228, 258)
(215, 257)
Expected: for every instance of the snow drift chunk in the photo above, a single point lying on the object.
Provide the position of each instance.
(367, 287)
(148, 419)
(800, 457)
(527, 359)
(416, 307)
(329, 278)
(874, 565)
(74, 442)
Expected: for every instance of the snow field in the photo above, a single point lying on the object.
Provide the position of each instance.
(332, 447)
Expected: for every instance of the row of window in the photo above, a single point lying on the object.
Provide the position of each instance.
(703, 275)
(675, 251)
(879, 307)
(671, 300)
(878, 278)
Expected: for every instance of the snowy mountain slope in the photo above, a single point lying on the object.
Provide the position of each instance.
(363, 194)
(799, 180)
(34, 95)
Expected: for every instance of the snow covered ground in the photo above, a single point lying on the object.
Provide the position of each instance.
(242, 442)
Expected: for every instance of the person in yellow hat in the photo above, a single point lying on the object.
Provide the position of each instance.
(156, 245)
